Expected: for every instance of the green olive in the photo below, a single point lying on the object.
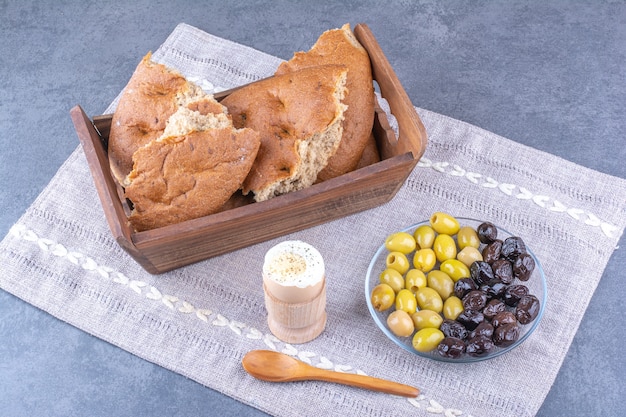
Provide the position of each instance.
(427, 339)
(414, 280)
(468, 255)
(467, 236)
(398, 261)
(402, 242)
(405, 301)
(444, 247)
(455, 269)
(440, 282)
(383, 297)
(426, 318)
(444, 223)
(424, 259)
(393, 278)
(424, 237)
(400, 323)
(452, 307)
(429, 299)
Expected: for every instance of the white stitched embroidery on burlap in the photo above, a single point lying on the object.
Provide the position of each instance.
(172, 302)
(521, 193)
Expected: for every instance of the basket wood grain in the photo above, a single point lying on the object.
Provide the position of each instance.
(248, 223)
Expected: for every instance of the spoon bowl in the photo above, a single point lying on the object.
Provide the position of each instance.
(272, 366)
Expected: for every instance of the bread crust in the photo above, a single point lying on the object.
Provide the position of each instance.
(299, 117)
(153, 93)
(174, 149)
(185, 177)
(340, 46)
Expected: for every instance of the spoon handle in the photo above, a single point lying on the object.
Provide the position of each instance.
(364, 381)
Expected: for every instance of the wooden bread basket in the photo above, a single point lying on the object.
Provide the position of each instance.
(248, 223)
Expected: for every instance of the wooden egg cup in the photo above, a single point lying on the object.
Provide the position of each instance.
(296, 322)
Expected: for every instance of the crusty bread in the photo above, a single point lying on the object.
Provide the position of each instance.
(198, 163)
(180, 155)
(152, 95)
(174, 149)
(299, 116)
(340, 46)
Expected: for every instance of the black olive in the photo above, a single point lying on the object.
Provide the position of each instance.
(463, 286)
(506, 334)
(474, 300)
(492, 251)
(487, 232)
(494, 291)
(512, 247)
(470, 319)
(451, 347)
(527, 309)
(482, 273)
(503, 271)
(479, 346)
(504, 317)
(485, 329)
(523, 267)
(513, 293)
(492, 308)
(452, 328)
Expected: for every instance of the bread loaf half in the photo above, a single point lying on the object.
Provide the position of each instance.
(299, 116)
(340, 47)
(190, 171)
(152, 95)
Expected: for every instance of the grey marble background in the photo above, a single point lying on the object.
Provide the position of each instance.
(551, 75)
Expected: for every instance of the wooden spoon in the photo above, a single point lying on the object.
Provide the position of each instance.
(278, 367)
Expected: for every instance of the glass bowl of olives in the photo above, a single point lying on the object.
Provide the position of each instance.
(456, 289)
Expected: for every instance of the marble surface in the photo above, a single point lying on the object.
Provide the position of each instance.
(550, 76)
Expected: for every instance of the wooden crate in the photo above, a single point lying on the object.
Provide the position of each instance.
(248, 223)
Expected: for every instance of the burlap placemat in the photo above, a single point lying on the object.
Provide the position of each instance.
(200, 320)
